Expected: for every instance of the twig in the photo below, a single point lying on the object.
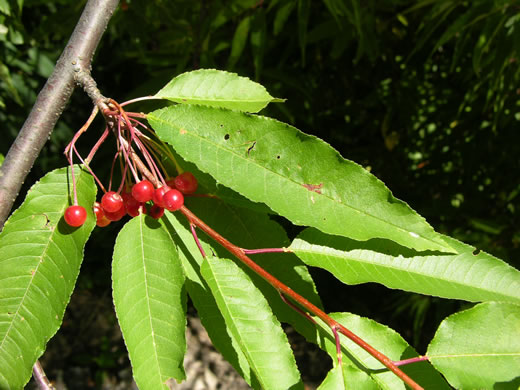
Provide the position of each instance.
(40, 377)
(282, 288)
(52, 100)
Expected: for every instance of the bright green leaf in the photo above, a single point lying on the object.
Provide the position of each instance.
(347, 377)
(40, 258)
(479, 348)
(467, 276)
(201, 297)
(247, 229)
(150, 302)
(361, 367)
(296, 175)
(216, 88)
(250, 319)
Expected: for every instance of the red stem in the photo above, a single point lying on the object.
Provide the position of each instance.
(282, 288)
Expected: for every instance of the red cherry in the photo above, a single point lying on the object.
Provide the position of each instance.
(101, 218)
(143, 191)
(111, 202)
(186, 183)
(171, 182)
(131, 204)
(173, 200)
(158, 195)
(156, 212)
(75, 215)
(116, 216)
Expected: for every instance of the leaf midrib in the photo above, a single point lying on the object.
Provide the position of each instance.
(154, 341)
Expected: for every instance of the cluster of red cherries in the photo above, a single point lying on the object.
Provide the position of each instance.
(143, 198)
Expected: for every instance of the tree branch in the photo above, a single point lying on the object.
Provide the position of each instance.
(75, 59)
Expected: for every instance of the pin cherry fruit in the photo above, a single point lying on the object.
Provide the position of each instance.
(186, 183)
(101, 218)
(158, 195)
(143, 191)
(156, 212)
(173, 200)
(111, 202)
(75, 215)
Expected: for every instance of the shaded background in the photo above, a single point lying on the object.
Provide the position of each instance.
(425, 94)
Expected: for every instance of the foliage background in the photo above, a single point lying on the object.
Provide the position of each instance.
(423, 93)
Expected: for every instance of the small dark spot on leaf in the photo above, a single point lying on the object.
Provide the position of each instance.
(221, 125)
(314, 187)
(251, 147)
(278, 157)
(476, 252)
(226, 137)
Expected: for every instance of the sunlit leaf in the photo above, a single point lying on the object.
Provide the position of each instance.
(359, 367)
(479, 348)
(473, 277)
(250, 319)
(217, 88)
(149, 301)
(296, 175)
(40, 258)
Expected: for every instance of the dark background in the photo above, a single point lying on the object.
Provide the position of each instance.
(425, 96)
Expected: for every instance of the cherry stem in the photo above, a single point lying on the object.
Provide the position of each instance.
(196, 238)
(338, 344)
(240, 254)
(89, 169)
(266, 250)
(412, 360)
(97, 145)
(41, 378)
(140, 99)
(296, 308)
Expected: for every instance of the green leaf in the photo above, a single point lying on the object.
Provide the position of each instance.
(347, 377)
(217, 88)
(39, 264)
(359, 367)
(304, 7)
(282, 15)
(5, 7)
(468, 276)
(150, 302)
(298, 176)
(479, 348)
(239, 41)
(203, 300)
(250, 319)
(247, 229)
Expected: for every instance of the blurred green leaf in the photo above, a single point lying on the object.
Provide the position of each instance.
(239, 41)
